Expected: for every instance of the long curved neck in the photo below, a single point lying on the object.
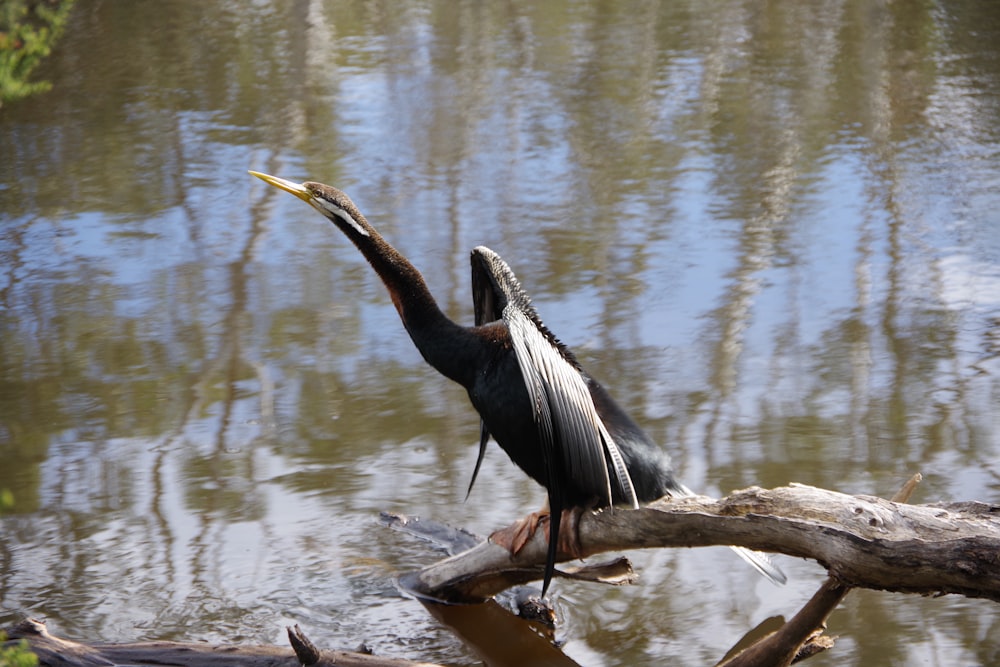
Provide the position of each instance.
(444, 344)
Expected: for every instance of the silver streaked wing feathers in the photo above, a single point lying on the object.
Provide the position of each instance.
(563, 405)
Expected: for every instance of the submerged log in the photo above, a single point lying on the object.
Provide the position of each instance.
(863, 541)
(53, 651)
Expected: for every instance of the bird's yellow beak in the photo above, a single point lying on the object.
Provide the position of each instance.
(296, 189)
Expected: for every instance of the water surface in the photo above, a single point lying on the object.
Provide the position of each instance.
(772, 230)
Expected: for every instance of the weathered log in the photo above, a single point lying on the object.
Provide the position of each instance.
(863, 541)
(53, 651)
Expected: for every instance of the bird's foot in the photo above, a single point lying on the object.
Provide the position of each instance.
(515, 536)
(569, 533)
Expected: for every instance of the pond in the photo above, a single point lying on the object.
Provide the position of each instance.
(772, 230)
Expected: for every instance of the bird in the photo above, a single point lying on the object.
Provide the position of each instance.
(552, 418)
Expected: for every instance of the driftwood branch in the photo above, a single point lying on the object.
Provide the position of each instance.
(863, 541)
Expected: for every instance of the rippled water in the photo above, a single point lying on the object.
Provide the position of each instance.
(772, 230)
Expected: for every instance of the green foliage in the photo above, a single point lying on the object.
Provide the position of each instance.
(6, 499)
(28, 30)
(16, 654)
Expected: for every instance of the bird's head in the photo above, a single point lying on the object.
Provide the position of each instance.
(329, 201)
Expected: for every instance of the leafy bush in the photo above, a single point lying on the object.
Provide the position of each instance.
(16, 654)
(28, 29)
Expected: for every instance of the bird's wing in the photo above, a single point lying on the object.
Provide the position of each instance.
(485, 308)
(567, 419)
(485, 301)
(571, 432)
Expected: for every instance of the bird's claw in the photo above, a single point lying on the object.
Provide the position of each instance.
(515, 536)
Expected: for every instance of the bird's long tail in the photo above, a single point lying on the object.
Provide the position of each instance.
(760, 561)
